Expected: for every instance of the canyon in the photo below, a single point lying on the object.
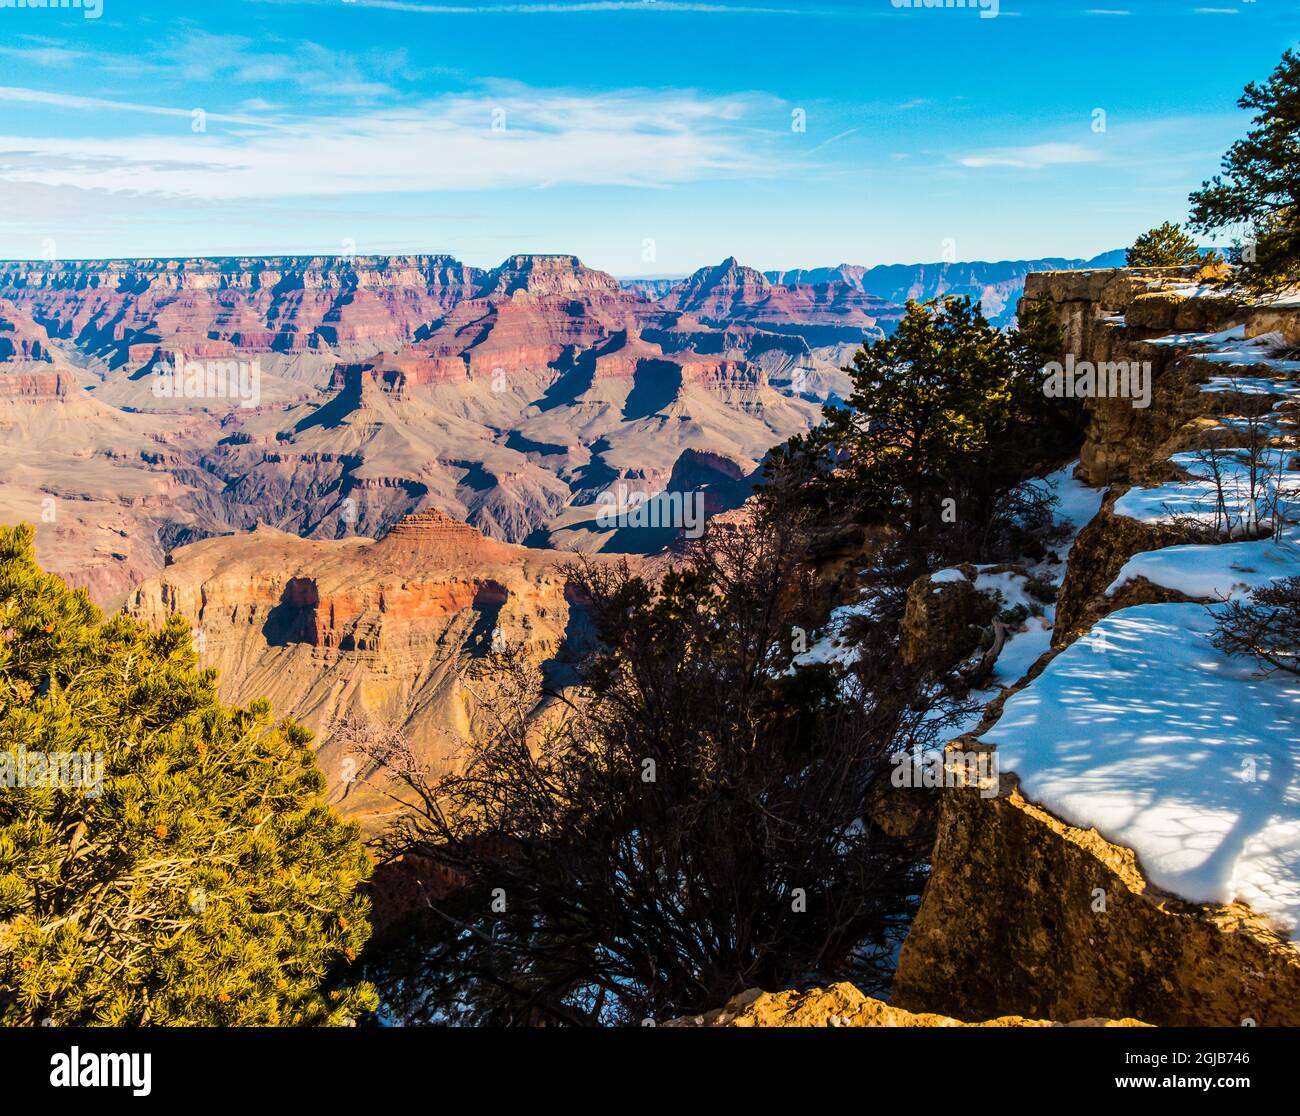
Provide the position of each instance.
(332, 629)
(363, 471)
(510, 398)
(426, 458)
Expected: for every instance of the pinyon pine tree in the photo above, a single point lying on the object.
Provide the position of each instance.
(1164, 246)
(946, 418)
(205, 881)
(1259, 189)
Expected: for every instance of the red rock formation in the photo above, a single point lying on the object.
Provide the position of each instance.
(508, 398)
(397, 373)
(724, 291)
(255, 304)
(548, 275)
(32, 385)
(384, 629)
(21, 338)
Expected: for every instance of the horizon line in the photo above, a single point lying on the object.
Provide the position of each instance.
(377, 256)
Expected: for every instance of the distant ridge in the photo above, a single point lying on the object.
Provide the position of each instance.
(996, 285)
(882, 279)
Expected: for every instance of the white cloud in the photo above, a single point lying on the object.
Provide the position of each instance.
(633, 137)
(1032, 157)
(16, 95)
(203, 59)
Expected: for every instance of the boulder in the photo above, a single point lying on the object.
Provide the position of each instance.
(943, 622)
(1281, 316)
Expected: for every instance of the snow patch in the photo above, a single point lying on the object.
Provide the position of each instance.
(1213, 572)
(1247, 504)
(1145, 731)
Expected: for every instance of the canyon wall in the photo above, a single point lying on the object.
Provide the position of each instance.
(382, 631)
(329, 397)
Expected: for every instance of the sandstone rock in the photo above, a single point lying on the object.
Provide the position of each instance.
(1281, 316)
(22, 339)
(821, 313)
(942, 622)
(327, 629)
(547, 275)
(1008, 925)
(1124, 442)
(1095, 560)
(1095, 284)
(843, 1005)
(1155, 310)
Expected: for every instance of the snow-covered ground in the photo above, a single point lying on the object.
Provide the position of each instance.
(1076, 502)
(1143, 730)
(1248, 502)
(831, 645)
(1213, 572)
(1230, 346)
(1076, 505)
(1250, 385)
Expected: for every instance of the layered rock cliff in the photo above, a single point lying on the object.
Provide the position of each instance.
(353, 627)
(843, 1005)
(331, 396)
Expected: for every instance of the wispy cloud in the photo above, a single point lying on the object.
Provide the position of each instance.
(205, 60)
(44, 56)
(18, 95)
(837, 137)
(509, 136)
(1032, 157)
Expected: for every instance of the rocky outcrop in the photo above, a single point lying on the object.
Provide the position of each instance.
(1278, 315)
(843, 1005)
(720, 291)
(943, 621)
(398, 373)
(1096, 558)
(1099, 312)
(21, 339)
(34, 385)
(1024, 914)
(547, 275)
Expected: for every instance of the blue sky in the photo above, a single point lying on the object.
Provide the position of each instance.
(648, 138)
